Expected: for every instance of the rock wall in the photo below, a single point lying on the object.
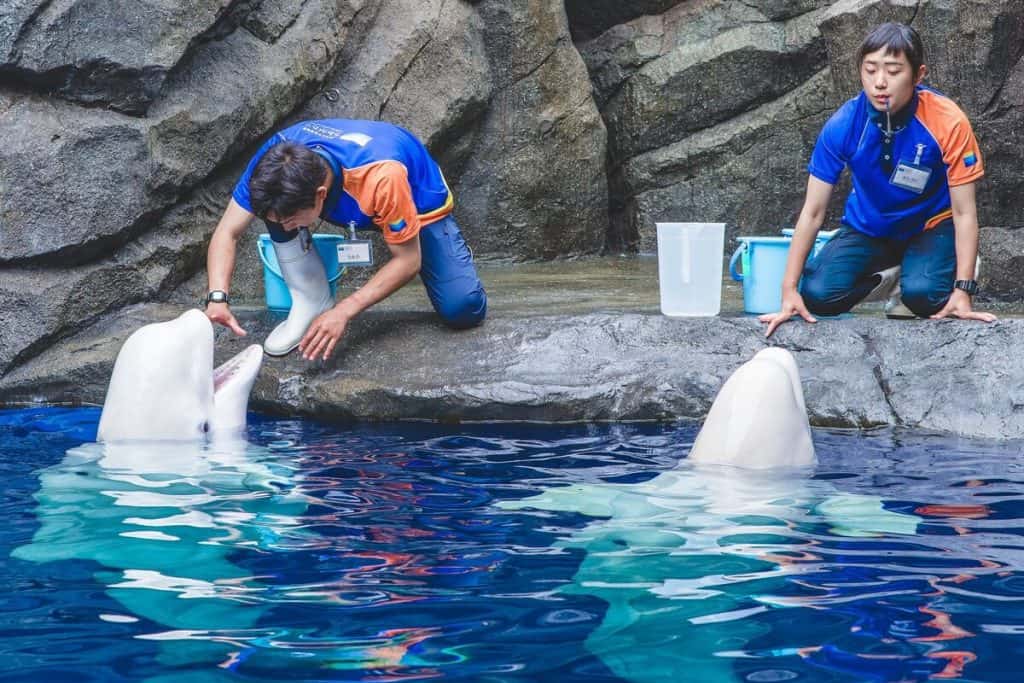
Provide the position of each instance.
(565, 128)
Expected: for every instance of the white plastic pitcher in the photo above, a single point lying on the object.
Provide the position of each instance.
(690, 268)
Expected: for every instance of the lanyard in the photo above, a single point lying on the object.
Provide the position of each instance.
(887, 141)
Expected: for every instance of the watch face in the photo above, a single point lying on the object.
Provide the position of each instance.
(217, 297)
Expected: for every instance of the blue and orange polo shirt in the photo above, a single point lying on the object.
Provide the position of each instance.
(931, 132)
(388, 177)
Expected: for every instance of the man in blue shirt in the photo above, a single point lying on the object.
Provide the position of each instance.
(367, 174)
(914, 163)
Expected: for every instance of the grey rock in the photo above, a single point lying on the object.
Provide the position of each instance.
(51, 303)
(694, 85)
(856, 372)
(589, 18)
(107, 176)
(1002, 262)
(61, 192)
(740, 172)
(534, 186)
(112, 52)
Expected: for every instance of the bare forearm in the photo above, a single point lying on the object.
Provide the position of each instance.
(804, 233)
(965, 226)
(966, 231)
(385, 282)
(220, 256)
(220, 260)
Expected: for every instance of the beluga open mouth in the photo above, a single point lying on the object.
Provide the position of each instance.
(164, 386)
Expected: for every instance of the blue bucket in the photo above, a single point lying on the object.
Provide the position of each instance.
(764, 265)
(278, 298)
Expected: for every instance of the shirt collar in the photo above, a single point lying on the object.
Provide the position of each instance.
(899, 119)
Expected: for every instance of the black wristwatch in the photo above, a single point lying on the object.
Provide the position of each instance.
(217, 296)
(969, 286)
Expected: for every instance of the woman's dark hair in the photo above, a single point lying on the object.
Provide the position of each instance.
(896, 39)
(285, 180)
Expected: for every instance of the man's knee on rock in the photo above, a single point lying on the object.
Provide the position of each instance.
(465, 311)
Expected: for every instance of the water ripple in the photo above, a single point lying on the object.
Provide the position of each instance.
(504, 553)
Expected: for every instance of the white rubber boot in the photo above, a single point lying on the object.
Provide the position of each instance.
(304, 273)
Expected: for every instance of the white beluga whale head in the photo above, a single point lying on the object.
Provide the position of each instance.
(164, 385)
(758, 419)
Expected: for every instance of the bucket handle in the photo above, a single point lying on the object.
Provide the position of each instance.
(275, 271)
(734, 261)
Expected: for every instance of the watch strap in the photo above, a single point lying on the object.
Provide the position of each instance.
(217, 296)
(969, 286)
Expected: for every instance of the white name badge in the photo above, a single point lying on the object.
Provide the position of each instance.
(911, 177)
(355, 253)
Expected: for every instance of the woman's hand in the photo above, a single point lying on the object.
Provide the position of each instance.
(959, 306)
(792, 304)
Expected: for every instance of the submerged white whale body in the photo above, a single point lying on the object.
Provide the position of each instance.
(758, 418)
(678, 589)
(164, 386)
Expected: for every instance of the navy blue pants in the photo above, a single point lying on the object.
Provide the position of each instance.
(842, 272)
(446, 269)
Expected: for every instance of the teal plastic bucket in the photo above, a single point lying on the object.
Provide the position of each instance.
(763, 262)
(277, 296)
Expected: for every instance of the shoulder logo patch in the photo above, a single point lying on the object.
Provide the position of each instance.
(397, 226)
(970, 160)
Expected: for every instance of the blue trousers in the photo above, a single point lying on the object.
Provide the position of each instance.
(842, 273)
(446, 269)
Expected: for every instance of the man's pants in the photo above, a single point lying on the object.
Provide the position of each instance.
(446, 269)
(842, 272)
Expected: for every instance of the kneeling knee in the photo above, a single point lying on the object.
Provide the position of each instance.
(467, 311)
(923, 300)
(821, 302)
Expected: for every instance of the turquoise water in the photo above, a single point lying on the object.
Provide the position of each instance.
(313, 552)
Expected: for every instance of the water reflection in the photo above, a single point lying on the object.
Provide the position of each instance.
(733, 575)
(509, 553)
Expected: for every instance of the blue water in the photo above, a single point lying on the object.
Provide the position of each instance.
(492, 553)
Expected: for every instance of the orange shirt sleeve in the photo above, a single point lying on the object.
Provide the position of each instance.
(951, 128)
(961, 154)
(393, 207)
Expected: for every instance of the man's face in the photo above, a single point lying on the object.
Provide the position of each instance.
(889, 79)
(304, 217)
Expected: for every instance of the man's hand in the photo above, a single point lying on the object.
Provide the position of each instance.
(222, 315)
(792, 304)
(323, 334)
(959, 306)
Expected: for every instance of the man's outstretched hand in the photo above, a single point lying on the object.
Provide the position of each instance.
(323, 334)
(221, 314)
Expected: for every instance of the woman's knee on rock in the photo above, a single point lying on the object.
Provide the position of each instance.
(922, 297)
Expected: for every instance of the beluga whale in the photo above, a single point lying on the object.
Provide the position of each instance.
(164, 386)
(758, 420)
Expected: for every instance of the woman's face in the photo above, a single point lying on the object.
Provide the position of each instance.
(888, 79)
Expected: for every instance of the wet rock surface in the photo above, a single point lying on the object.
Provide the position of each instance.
(584, 343)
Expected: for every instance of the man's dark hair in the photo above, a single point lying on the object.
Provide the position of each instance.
(897, 39)
(285, 180)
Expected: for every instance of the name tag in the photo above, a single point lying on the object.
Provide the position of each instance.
(355, 253)
(911, 177)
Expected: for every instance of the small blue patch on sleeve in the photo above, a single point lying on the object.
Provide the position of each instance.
(397, 226)
(970, 160)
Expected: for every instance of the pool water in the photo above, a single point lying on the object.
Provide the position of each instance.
(315, 552)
